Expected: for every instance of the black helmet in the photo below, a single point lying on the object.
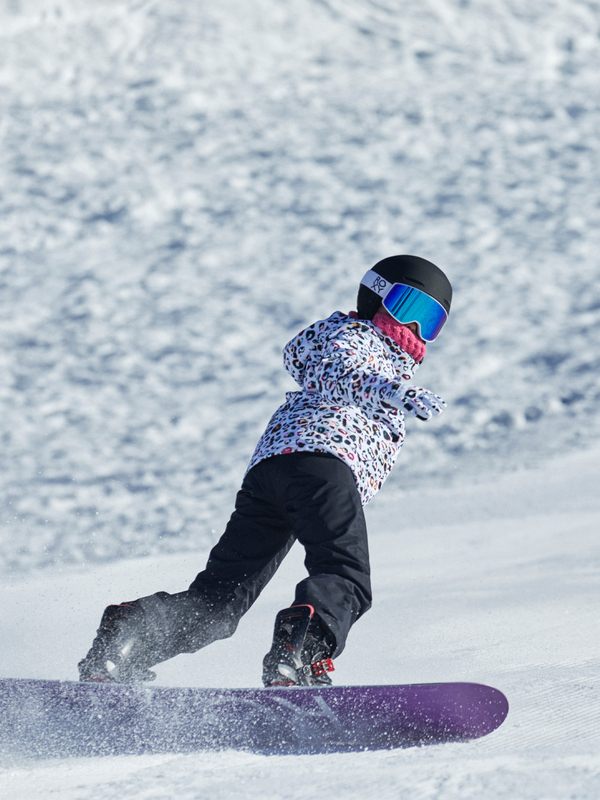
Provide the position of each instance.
(412, 271)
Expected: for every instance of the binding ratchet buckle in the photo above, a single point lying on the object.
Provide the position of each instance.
(322, 667)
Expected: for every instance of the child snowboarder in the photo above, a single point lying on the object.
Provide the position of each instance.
(326, 451)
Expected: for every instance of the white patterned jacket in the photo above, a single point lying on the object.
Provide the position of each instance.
(346, 369)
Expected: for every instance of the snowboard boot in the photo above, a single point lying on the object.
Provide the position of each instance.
(301, 651)
(117, 652)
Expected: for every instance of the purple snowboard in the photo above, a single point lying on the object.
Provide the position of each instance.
(50, 718)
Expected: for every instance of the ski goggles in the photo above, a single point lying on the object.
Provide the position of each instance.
(407, 304)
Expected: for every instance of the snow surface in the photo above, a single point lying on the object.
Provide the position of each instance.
(497, 585)
(184, 185)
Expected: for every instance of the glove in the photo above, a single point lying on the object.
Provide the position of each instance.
(421, 403)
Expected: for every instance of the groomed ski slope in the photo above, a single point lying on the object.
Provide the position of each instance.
(496, 583)
(184, 185)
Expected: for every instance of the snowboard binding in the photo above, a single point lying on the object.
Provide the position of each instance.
(116, 652)
(301, 651)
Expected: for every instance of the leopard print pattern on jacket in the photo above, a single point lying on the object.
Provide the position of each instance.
(346, 368)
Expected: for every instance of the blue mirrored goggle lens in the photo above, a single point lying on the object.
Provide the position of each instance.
(407, 304)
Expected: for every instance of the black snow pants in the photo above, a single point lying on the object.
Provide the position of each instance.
(311, 497)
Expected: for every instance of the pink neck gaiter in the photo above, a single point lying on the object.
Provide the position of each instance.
(400, 334)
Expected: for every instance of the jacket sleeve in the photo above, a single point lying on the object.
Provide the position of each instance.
(346, 372)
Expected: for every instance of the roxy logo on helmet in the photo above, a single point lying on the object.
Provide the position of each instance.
(379, 284)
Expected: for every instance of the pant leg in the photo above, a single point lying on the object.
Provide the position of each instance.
(309, 496)
(255, 542)
(325, 509)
